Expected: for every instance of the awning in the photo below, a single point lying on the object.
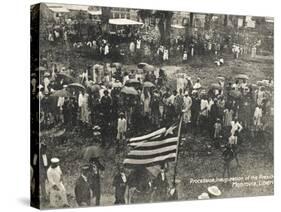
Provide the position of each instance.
(59, 9)
(95, 12)
(177, 26)
(123, 21)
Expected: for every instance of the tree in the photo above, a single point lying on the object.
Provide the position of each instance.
(144, 14)
(105, 16)
(164, 24)
(208, 21)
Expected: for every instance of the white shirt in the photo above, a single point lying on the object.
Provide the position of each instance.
(235, 126)
(60, 102)
(54, 175)
(197, 85)
(138, 44)
(106, 49)
(124, 178)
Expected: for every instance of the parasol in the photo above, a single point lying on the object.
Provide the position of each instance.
(216, 86)
(65, 77)
(77, 86)
(221, 78)
(116, 65)
(129, 91)
(241, 76)
(148, 68)
(92, 152)
(142, 65)
(94, 87)
(132, 82)
(148, 84)
(235, 94)
(61, 93)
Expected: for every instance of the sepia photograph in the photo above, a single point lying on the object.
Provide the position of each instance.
(131, 105)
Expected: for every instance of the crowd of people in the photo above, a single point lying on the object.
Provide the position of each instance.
(108, 103)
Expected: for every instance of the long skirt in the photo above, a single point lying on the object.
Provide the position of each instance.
(58, 198)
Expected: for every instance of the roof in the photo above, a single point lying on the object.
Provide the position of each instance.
(59, 9)
(269, 19)
(66, 7)
(123, 21)
(177, 26)
(76, 7)
(95, 12)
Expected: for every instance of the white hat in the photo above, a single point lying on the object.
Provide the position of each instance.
(186, 93)
(203, 196)
(40, 86)
(55, 160)
(214, 190)
(65, 86)
(46, 74)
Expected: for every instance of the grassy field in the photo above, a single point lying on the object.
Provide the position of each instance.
(255, 158)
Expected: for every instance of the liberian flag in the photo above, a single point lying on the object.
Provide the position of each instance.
(154, 148)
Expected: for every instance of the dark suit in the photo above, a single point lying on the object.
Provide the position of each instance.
(162, 187)
(120, 189)
(94, 181)
(82, 192)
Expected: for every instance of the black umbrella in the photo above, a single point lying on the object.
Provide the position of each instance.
(77, 86)
(132, 82)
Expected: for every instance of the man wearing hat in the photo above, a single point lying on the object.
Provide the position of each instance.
(46, 82)
(161, 185)
(187, 103)
(121, 130)
(82, 189)
(94, 178)
(56, 188)
(120, 184)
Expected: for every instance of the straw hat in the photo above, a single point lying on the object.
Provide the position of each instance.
(55, 160)
(214, 191)
(203, 196)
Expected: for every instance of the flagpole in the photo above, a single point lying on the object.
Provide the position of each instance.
(177, 152)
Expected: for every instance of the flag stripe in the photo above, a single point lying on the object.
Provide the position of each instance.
(154, 143)
(135, 143)
(150, 161)
(152, 152)
(148, 136)
(142, 157)
(150, 148)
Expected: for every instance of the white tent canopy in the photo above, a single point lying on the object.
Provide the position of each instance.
(177, 26)
(123, 21)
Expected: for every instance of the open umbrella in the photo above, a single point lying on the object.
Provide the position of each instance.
(92, 152)
(148, 68)
(148, 84)
(142, 65)
(180, 70)
(129, 91)
(66, 77)
(116, 65)
(235, 94)
(132, 82)
(94, 87)
(221, 78)
(77, 86)
(241, 76)
(216, 86)
(61, 93)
